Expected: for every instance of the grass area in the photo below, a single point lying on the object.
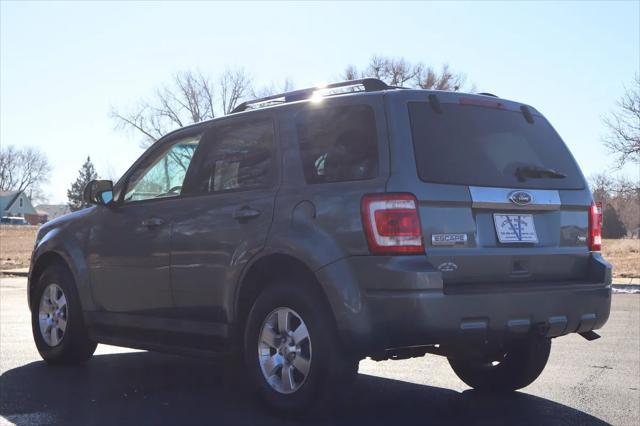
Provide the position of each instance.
(16, 243)
(624, 255)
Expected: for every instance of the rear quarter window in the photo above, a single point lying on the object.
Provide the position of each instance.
(482, 146)
(338, 144)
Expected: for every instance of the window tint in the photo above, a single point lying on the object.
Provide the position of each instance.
(338, 144)
(240, 157)
(164, 175)
(475, 145)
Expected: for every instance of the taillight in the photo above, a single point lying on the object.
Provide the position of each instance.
(392, 224)
(595, 226)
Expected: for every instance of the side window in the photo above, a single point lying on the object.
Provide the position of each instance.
(164, 174)
(338, 144)
(240, 157)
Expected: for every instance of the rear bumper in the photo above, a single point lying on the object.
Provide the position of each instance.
(414, 308)
(430, 317)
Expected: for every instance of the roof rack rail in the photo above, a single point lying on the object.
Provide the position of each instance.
(369, 85)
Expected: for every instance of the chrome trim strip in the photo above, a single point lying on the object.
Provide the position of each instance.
(498, 198)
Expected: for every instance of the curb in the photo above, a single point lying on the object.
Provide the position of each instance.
(14, 273)
(627, 280)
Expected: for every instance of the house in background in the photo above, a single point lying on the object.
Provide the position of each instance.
(43, 217)
(17, 204)
(51, 211)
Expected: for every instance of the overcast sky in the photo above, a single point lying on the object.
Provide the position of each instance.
(63, 65)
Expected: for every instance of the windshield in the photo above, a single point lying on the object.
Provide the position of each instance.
(481, 146)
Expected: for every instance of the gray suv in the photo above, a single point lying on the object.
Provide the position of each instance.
(308, 230)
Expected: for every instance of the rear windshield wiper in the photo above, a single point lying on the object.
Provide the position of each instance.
(535, 172)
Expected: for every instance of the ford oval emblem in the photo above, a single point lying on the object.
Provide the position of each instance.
(521, 198)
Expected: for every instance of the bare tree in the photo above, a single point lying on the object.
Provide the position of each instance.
(190, 98)
(24, 169)
(602, 185)
(446, 79)
(108, 171)
(8, 167)
(400, 72)
(285, 85)
(624, 126)
(627, 202)
(621, 194)
(351, 73)
(234, 85)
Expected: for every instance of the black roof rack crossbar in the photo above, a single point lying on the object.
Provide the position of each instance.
(369, 84)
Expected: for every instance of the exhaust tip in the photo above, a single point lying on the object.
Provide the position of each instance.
(590, 335)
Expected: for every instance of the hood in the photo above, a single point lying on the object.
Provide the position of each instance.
(63, 221)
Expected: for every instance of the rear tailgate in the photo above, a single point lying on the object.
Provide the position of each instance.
(501, 198)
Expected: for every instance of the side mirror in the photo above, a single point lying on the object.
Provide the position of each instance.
(98, 192)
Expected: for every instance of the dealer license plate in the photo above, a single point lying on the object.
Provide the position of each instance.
(515, 228)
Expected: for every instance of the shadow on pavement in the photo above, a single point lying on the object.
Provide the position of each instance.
(151, 388)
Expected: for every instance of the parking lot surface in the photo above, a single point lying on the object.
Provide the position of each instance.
(584, 383)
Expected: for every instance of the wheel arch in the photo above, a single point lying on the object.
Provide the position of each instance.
(44, 261)
(67, 247)
(268, 270)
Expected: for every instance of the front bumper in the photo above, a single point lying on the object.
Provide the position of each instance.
(422, 312)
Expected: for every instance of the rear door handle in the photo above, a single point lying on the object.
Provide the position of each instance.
(152, 222)
(245, 213)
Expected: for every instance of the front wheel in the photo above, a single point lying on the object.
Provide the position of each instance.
(518, 367)
(57, 321)
(292, 352)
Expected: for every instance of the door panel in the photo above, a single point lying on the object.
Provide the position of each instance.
(129, 247)
(129, 261)
(226, 217)
(209, 249)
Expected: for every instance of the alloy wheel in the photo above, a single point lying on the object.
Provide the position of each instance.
(53, 315)
(284, 350)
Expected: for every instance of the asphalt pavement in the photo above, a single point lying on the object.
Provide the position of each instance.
(584, 383)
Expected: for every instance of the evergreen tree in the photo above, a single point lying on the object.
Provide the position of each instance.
(612, 226)
(74, 194)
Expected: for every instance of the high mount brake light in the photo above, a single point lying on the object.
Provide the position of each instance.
(481, 102)
(595, 226)
(392, 224)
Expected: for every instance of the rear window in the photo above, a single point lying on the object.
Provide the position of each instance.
(481, 146)
(338, 144)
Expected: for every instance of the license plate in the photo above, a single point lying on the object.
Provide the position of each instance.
(515, 228)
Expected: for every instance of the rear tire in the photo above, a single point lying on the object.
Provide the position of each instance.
(292, 374)
(519, 367)
(57, 321)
